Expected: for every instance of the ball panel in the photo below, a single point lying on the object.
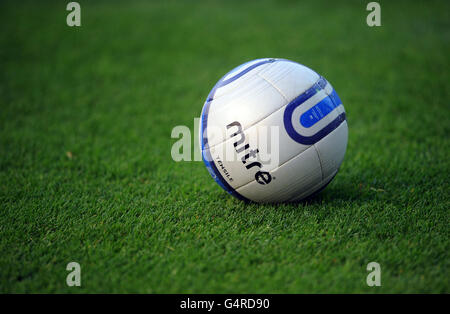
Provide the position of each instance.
(274, 146)
(248, 105)
(331, 149)
(235, 81)
(243, 69)
(288, 181)
(303, 109)
(290, 78)
(314, 189)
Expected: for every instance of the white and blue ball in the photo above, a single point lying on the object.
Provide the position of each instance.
(262, 94)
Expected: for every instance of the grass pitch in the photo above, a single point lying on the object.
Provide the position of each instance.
(86, 173)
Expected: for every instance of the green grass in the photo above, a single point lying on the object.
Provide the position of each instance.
(110, 93)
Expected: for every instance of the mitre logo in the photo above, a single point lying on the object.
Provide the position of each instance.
(262, 177)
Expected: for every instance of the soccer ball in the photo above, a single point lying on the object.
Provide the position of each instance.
(273, 130)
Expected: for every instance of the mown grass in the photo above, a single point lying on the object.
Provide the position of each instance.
(86, 173)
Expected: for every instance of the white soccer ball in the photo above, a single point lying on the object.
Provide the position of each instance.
(273, 130)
